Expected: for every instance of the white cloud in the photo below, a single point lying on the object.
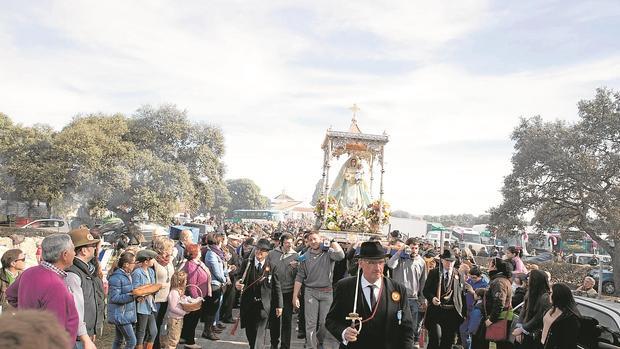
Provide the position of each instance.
(232, 64)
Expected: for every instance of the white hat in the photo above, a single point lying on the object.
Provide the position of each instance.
(235, 237)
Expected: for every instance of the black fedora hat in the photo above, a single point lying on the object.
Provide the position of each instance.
(448, 255)
(372, 250)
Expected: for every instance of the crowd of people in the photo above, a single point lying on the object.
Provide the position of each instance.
(410, 292)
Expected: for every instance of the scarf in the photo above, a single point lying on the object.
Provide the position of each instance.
(218, 251)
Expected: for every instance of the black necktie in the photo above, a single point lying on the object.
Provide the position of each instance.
(373, 301)
(258, 267)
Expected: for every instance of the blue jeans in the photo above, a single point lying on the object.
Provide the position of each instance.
(146, 328)
(415, 312)
(219, 308)
(124, 332)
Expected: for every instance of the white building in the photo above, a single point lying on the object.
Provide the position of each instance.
(291, 208)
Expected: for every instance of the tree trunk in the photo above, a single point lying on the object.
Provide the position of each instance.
(616, 265)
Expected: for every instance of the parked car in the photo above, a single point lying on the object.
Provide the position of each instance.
(55, 225)
(608, 315)
(608, 280)
(539, 258)
(587, 258)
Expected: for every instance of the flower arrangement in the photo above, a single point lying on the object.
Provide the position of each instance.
(333, 211)
(375, 215)
(346, 219)
(352, 220)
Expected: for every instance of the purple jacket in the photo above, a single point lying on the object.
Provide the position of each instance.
(198, 275)
(43, 289)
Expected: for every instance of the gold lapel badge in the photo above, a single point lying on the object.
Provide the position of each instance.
(396, 296)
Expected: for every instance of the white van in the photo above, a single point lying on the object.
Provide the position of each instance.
(435, 238)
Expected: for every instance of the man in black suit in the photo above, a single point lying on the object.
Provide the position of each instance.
(381, 302)
(446, 302)
(230, 295)
(259, 286)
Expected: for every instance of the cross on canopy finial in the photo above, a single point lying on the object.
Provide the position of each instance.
(354, 109)
(354, 128)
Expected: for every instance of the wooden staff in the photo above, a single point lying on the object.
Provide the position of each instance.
(234, 328)
(440, 267)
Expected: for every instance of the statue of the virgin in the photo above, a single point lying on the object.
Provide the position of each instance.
(349, 188)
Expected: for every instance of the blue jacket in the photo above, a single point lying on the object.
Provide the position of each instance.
(121, 304)
(475, 319)
(139, 277)
(216, 266)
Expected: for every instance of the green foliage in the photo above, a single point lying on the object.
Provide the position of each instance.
(168, 133)
(30, 167)
(245, 194)
(153, 164)
(401, 214)
(568, 175)
(97, 159)
(461, 220)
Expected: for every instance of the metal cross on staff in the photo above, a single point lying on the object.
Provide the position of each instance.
(354, 316)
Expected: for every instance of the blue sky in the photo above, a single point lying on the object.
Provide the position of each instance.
(447, 81)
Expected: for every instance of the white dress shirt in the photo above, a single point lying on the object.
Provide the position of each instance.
(257, 262)
(366, 292)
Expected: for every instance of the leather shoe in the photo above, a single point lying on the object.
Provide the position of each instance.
(210, 336)
(229, 321)
(220, 325)
(216, 330)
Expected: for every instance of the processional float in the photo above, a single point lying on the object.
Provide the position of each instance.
(346, 211)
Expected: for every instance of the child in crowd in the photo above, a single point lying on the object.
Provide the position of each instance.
(121, 302)
(143, 274)
(173, 320)
(475, 327)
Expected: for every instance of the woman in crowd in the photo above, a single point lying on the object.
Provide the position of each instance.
(499, 296)
(198, 275)
(121, 302)
(215, 261)
(164, 269)
(146, 328)
(519, 285)
(13, 263)
(561, 322)
(468, 255)
(174, 313)
(514, 255)
(529, 328)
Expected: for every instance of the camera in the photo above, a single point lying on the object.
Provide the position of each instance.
(408, 250)
(325, 245)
